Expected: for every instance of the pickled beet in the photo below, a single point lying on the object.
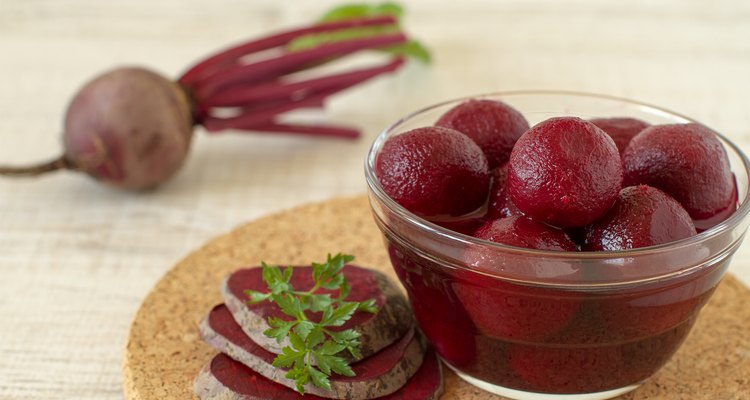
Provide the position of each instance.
(507, 310)
(621, 129)
(565, 172)
(688, 162)
(523, 232)
(434, 171)
(443, 319)
(500, 205)
(493, 125)
(641, 216)
(567, 370)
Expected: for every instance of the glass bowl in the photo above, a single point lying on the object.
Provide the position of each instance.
(530, 324)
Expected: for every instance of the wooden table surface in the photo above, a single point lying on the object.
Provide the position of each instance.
(77, 258)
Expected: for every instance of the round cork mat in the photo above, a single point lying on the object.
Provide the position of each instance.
(164, 352)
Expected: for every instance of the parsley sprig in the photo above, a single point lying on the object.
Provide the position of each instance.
(312, 339)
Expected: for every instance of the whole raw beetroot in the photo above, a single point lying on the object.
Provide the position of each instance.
(128, 127)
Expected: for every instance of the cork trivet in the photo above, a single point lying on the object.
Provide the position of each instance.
(164, 353)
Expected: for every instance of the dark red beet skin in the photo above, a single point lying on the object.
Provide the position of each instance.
(641, 216)
(434, 171)
(565, 172)
(688, 162)
(507, 310)
(621, 130)
(500, 205)
(493, 125)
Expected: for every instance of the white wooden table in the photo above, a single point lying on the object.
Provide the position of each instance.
(76, 258)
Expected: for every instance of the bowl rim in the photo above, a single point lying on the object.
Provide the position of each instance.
(374, 185)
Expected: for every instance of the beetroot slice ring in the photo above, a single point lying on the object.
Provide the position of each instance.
(381, 374)
(378, 330)
(227, 379)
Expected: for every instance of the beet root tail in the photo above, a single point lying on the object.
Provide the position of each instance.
(39, 169)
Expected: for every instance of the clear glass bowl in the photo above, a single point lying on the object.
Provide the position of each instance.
(529, 324)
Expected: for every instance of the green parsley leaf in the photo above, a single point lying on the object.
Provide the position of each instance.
(341, 314)
(316, 337)
(303, 329)
(340, 366)
(309, 339)
(287, 358)
(289, 304)
(279, 328)
(319, 302)
(369, 306)
(319, 379)
(330, 348)
(322, 361)
(256, 297)
(297, 342)
(344, 291)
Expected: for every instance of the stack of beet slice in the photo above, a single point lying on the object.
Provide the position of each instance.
(395, 363)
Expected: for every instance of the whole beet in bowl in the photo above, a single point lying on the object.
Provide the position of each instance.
(535, 324)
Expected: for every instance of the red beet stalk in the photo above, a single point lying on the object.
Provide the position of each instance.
(232, 54)
(309, 93)
(258, 92)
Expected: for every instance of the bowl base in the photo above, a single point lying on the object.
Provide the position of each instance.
(516, 394)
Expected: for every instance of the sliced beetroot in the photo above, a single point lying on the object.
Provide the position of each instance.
(641, 216)
(226, 379)
(688, 162)
(515, 312)
(500, 205)
(378, 330)
(493, 125)
(434, 171)
(380, 374)
(622, 129)
(565, 172)
(506, 310)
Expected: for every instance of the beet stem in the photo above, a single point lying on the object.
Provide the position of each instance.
(244, 96)
(35, 170)
(256, 116)
(232, 54)
(260, 116)
(312, 130)
(290, 62)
